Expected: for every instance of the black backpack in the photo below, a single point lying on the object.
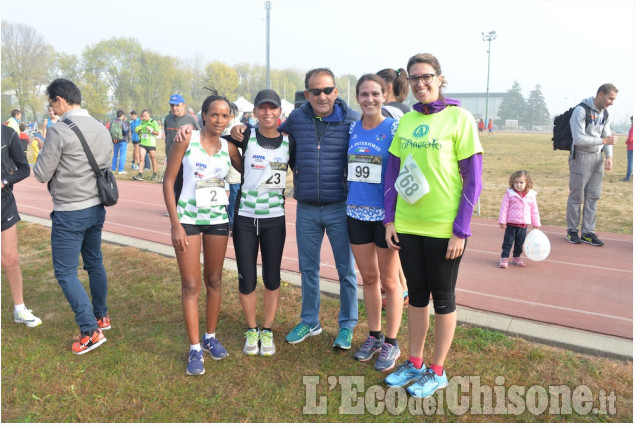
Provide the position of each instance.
(562, 137)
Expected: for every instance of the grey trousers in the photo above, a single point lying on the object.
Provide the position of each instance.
(586, 172)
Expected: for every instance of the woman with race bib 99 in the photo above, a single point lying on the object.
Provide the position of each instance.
(201, 208)
(367, 156)
(433, 181)
(260, 219)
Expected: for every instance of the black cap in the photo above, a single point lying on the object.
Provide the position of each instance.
(267, 96)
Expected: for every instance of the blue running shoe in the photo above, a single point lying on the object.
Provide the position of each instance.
(195, 363)
(371, 346)
(214, 348)
(428, 384)
(301, 332)
(404, 374)
(387, 357)
(344, 339)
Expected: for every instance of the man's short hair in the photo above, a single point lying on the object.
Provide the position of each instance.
(119, 113)
(65, 89)
(15, 113)
(133, 112)
(317, 71)
(22, 126)
(606, 89)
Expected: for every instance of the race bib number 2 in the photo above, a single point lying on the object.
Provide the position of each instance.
(211, 193)
(411, 184)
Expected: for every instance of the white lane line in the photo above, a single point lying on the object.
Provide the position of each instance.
(535, 304)
(559, 262)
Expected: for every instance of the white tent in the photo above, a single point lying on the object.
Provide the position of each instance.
(244, 105)
(287, 107)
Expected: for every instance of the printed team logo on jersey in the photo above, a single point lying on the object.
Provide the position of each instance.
(361, 149)
(198, 175)
(380, 137)
(278, 159)
(201, 166)
(420, 131)
(218, 170)
(411, 144)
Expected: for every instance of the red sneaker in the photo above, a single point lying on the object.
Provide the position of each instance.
(86, 343)
(104, 322)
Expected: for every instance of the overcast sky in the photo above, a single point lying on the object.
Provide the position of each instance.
(568, 47)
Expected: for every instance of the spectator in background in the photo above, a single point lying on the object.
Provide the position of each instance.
(629, 154)
(481, 127)
(119, 131)
(24, 138)
(490, 128)
(12, 154)
(586, 164)
(134, 137)
(148, 131)
(52, 119)
(397, 91)
(78, 212)
(174, 120)
(14, 120)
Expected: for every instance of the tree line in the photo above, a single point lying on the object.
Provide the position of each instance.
(531, 112)
(119, 73)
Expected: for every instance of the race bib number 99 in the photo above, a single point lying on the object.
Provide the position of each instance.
(364, 168)
(211, 193)
(411, 184)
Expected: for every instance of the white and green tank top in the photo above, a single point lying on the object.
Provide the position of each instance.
(265, 175)
(202, 171)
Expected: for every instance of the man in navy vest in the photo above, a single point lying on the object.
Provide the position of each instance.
(319, 132)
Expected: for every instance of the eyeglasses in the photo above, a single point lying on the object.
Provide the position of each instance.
(326, 90)
(426, 78)
(51, 102)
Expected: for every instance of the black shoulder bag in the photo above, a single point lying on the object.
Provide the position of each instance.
(106, 183)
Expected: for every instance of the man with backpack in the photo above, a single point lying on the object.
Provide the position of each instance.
(591, 136)
(119, 130)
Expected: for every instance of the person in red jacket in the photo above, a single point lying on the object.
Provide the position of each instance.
(629, 154)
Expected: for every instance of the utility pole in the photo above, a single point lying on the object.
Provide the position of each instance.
(268, 8)
(488, 37)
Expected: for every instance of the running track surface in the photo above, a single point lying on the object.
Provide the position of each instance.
(578, 286)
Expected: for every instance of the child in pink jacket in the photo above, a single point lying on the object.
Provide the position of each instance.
(518, 209)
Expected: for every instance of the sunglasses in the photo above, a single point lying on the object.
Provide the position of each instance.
(326, 90)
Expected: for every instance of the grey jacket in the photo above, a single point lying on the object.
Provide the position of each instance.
(63, 163)
(589, 139)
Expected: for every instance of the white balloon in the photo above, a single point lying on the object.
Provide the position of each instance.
(537, 246)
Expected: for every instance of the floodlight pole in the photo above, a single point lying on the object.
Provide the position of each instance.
(488, 37)
(268, 8)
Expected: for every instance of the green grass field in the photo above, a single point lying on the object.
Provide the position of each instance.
(138, 375)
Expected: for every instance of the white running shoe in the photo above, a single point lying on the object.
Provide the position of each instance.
(26, 316)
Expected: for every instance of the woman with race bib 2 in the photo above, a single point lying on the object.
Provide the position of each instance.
(367, 156)
(201, 207)
(260, 219)
(433, 181)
